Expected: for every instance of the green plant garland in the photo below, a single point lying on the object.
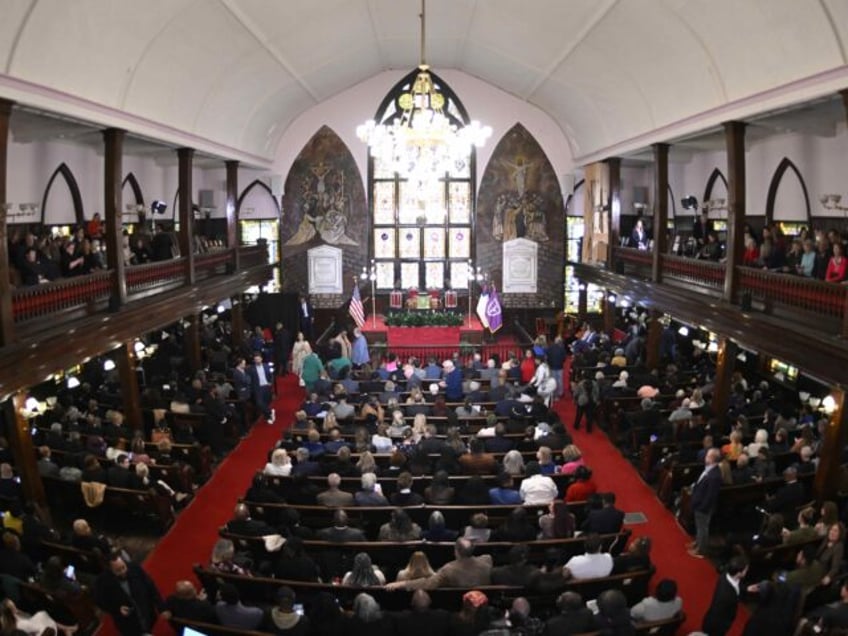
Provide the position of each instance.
(424, 319)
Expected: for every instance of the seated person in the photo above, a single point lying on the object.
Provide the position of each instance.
(340, 531)
(231, 613)
(242, 524)
(505, 492)
(591, 565)
(664, 604)
(404, 495)
(189, 604)
(371, 494)
(399, 528)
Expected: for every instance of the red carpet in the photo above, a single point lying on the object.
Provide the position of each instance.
(193, 535)
(695, 578)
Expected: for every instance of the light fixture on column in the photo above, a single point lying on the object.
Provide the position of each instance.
(419, 140)
(828, 404)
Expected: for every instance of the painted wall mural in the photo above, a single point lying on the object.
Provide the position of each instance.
(520, 198)
(324, 204)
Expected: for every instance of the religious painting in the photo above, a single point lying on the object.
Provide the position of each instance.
(520, 198)
(324, 204)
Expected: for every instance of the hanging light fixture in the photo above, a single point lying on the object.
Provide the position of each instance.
(419, 141)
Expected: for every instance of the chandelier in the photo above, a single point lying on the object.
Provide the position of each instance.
(420, 142)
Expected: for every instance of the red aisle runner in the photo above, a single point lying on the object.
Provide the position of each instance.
(191, 538)
(696, 578)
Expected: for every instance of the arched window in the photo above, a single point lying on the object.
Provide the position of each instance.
(422, 234)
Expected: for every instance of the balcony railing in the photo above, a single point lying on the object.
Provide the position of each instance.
(40, 300)
(772, 289)
(29, 303)
(692, 270)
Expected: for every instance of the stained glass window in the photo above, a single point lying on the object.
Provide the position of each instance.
(422, 233)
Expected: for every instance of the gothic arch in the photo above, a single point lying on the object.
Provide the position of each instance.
(708, 191)
(65, 172)
(262, 186)
(784, 165)
(569, 196)
(134, 186)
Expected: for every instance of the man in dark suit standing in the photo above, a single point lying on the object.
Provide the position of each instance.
(722, 610)
(129, 596)
(307, 316)
(704, 499)
(242, 384)
(282, 348)
(703, 226)
(261, 379)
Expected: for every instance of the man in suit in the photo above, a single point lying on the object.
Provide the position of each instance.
(421, 619)
(789, 497)
(518, 572)
(120, 475)
(260, 381)
(607, 520)
(242, 524)
(722, 610)
(465, 571)
(333, 497)
(307, 316)
(574, 616)
(282, 348)
(129, 596)
(242, 384)
(703, 226)
(340, 532)
(369, 496)
(704, 499)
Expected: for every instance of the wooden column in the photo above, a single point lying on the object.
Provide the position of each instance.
(827, 476)
(23, 451)
(237, 324)
(113, 174)
(186, 216)
(232, 211)
(130, 398)
(582, 302)
(192, 342)
(725, 366)
(660, 209)
(614, 205)
(652, 343)
(734, 135)
(609, 313)
(7, 321)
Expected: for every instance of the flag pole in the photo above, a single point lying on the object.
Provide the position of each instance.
(373, 276)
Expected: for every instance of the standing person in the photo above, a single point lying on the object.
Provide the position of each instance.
(261, 378)
(129, 596)
(282, 348)
(307, 316)
(162, 245)
(704, 499)
(722, 610)
(359, 350)
(556, 355)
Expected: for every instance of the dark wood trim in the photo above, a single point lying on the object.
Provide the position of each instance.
(673, 209)
(735, 140)
(256, 183)
(130, 397)
(826, 482)
(134, 186)
(232, 210)
(73, 186)
(784, 165)
(661, 209)
(113, 151)
(654, 340)
(614, 204)
(708, 190)
(186, 213)
(192, 341)
(23, 450)
(7, 321)
(725, 366)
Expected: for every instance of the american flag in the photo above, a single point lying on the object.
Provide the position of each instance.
(356, 310)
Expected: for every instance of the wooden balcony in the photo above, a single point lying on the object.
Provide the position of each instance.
(58, 324)
(798, 320)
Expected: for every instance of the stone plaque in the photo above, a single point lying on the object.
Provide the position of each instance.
(520, 266)
(325, 270)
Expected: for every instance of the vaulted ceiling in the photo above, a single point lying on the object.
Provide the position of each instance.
(236, 73)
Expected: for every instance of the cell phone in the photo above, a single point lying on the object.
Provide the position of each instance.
(18, 478)
(298, 609)
(70, 572)
(782, 577)
(378, 488)
(653, 438)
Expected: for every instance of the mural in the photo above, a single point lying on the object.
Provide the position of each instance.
(324, 204)
(520, 197)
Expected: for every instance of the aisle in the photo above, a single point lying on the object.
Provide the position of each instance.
(695, 578)
(191, 538)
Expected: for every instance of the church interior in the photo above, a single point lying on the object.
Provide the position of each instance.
(258, 255)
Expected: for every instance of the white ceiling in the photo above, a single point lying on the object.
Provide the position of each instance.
(238, 72)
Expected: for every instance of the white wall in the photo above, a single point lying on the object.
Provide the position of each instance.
(490, 105)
